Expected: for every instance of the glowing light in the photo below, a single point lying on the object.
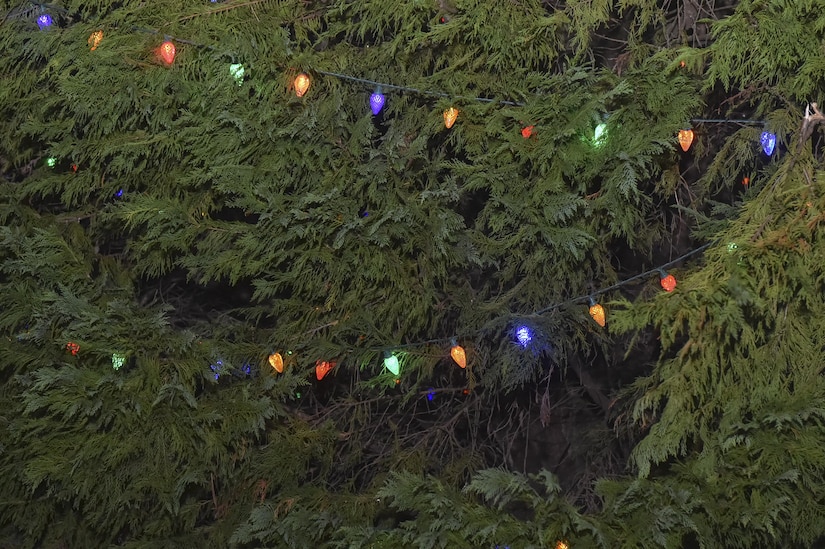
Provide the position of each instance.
(217, 368)
(685, 138)
(524, 336)
(732, 247)
(746, 181)
(458, 354)
(377, 101)
(94, 40)
(51, 162)
(119, 193)
(44, 21)
(118, 360)
(597, 312)
(430, 394)
(167, 51)
(527, 132)
(768, 142)
(600, 135)
(322, 368)
(301, 84)
(391, 363)
(277, 362)
(562, 544)
(73, 348)
(668, 281)
(237, 71)
(449, 117)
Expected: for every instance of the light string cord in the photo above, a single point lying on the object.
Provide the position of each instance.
(554, 306)
(395, 87)
(382, 85)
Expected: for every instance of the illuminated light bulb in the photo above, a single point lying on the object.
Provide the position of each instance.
(597, 312)
(732, 247)
(217, 368)
(562, 544)
(377, 101)
(391, 363)
(237, 71)
(119, 193)
(449, 117)
(768, 142)
(322, 368)
(118, 360)
(277, 362)
(73, 348)
(301, 84)
(668, 281)
(94, 40)
(51, 162)
(746, 181)
(167, 51)
(458, 354)
(685, 138)
(44, 21)
(682, 64)
(524, 336)
(600, 135)
(430, 394)
(527, 132)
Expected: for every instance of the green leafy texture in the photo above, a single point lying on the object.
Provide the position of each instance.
(196, 226)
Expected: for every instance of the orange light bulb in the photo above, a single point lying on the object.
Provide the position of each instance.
(322, 368)
(458, 354)
(597, 312)
(277, 362)
(685, 138)
(167, 52)
(94, 39)
(668, 282)
(449, 117)
(527, 132)
(301, 84)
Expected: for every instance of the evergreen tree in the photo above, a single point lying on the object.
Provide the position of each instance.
(178, 222)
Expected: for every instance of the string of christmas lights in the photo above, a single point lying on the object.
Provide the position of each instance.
(166, 53)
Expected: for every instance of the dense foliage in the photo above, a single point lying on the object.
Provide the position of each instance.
(189, 224)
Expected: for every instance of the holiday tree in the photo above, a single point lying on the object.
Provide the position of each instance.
(412, 274)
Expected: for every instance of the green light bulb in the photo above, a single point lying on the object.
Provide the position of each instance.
(391, 364)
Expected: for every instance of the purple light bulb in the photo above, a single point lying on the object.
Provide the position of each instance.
(45, 20)
(377, 101)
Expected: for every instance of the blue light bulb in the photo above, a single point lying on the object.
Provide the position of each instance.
(768, 141)
(431, 394)
(524, 336)
(377, 100)
(45, 20)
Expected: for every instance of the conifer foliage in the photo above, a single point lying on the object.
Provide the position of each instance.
(171, 221)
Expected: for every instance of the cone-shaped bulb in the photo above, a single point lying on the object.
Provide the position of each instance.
(685, 138)
(377, 101)
(167, 52)
(277, 362)
(391, 364)
(597, 312)
(449, 117)
(301, 84)
(94, 39)
(322, 368)
(768, 142)
(668, 281)
(458, 354)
